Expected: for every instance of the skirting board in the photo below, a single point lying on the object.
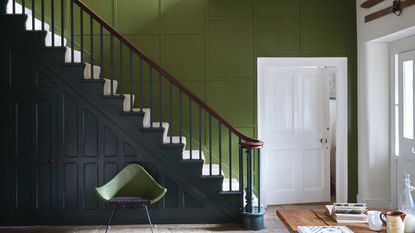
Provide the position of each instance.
(375, 202)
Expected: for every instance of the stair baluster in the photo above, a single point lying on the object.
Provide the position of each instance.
(220, 146)
(62, 22)
(34, 15)
(171, 109)
(230, 160)
(42, 13)
(131, 82)
(180, 117)
(91, 45)
(200, 132)
(140, 83)
(161, 100)
(52, 12)
(112, 64)
(81, 31)
(101, 47)
(121, 78)
(150, 74)
(210, 144)
(72, 33)
(190, 127)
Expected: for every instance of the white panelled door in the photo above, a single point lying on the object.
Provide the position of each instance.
(296, 127)
(406, 156)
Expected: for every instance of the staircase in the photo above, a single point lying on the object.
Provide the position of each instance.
(106, 104)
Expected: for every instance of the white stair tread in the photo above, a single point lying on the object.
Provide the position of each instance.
(68, 55)
(235, 187)
(175, 140)
(127, 102)
(195, 154)
(58, 40)
(28, 12)
(165, 125)
(147, 116)
(157, 125)
(107, 86)
(18, 8)
(215, 170)
(87, 72)
(235, 184)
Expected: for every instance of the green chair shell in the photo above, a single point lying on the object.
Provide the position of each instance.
(132, 181)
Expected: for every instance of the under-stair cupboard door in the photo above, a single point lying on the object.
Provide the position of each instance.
(406, 158)
(34, 187)
(295, 115)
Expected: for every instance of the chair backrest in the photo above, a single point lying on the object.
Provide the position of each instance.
(132, 181)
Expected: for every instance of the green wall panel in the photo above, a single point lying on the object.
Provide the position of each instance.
(237, 109)
(278, 36)
(212, 47)
(278, 8)
(231, 8)
(329, 37)
(137, 17)
(184, 16)
(184, 55)
(327, 8)
(149, 44)
(107, 12)
(230, 47)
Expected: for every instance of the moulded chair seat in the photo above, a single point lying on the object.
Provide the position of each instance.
(131, 187)
(132, 181)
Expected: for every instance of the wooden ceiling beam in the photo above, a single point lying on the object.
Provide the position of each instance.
(388, 10)
(370, 3)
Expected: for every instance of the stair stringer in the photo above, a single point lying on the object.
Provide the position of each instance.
(167, 158)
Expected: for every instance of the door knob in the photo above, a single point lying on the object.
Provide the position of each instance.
(51, 160)
(323, 140)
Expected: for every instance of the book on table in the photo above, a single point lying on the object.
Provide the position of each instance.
(323, 229)
(348, 212)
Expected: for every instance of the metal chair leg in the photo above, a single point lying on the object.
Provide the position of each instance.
(148, 216)
(112, 215)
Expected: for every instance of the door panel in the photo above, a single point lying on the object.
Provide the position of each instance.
(296, 115)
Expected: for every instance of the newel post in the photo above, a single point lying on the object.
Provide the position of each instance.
(252, 212)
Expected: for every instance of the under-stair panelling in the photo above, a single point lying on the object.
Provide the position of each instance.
(74, 128)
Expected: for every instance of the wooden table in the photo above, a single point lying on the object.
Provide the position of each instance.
(315, 217)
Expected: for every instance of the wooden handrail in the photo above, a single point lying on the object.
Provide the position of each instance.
(166, 75)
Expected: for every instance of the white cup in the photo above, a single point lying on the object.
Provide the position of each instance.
(373, 217)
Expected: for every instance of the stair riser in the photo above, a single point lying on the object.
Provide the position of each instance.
(13, 23)
(28, 42)
(74, 70)
(53, 55)
(116, 102)
(94, 87)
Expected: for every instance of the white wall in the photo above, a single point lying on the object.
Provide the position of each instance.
(373, 99)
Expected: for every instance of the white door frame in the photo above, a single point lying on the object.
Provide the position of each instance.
(340, 63)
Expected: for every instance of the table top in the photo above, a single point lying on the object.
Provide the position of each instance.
(315, 217)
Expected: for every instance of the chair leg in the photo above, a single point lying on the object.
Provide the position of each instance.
(112, 215)
(148, 216)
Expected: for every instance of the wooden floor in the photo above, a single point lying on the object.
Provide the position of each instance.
(272, 224)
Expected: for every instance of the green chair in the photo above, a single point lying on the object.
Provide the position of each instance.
(132, 187)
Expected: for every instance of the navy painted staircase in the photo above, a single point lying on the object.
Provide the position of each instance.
(82, 102)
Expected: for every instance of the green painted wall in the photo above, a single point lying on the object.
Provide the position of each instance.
(212, 46)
